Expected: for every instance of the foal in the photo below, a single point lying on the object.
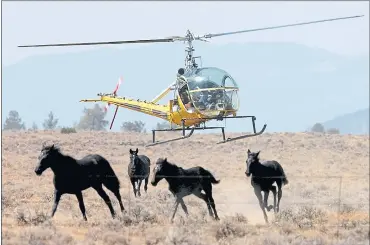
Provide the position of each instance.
(72, 176)
(263, 177)
(184, 182)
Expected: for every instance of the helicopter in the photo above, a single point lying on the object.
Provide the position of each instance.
(201, 94)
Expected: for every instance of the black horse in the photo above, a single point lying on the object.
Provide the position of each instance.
(264, 174)
(72, 176)
(184, 182)
(138, 169)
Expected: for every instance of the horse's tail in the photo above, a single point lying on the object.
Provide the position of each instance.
(284, 179)
(212, 178)
(110, 179)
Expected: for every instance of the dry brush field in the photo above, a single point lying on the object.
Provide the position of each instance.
(309, 210)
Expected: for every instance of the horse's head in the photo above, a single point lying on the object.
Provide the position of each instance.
(159, 171)
(133, 156)
(251, 161)
(46, 158)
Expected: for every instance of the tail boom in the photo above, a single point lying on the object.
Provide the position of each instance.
(149, 108)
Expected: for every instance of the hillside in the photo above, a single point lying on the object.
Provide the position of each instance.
(317, 166)
(286, 85)
(351, 123)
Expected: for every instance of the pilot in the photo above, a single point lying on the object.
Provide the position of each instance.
(213, 98)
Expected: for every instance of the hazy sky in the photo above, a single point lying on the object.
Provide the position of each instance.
(50, 22)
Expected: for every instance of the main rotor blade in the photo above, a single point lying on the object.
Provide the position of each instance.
(276, 27)
(160, 40)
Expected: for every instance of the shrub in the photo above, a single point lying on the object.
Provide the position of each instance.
(318, 128)
(68, 130)
(333, 131)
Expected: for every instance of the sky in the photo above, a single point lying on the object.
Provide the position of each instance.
(25, 23)
(52, 22)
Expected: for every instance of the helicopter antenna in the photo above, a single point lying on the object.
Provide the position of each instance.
(190, 63)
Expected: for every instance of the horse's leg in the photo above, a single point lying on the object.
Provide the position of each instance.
(212, 202)
(175, 208)
(139, 186)
(81, 204)
(208, 191)
(146, 184)
(273, 189)
(57, 196)
(204, 197)
(184, 207)
(103, 194)
(280, 194)
(118, 196)
(133, 180)
(265, 199)
(257, 191)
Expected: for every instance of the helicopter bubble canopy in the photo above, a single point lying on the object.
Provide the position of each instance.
(213, 92)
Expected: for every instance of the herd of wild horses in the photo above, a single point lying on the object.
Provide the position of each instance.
(72, 176)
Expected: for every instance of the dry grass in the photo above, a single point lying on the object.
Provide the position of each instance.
(309, 207)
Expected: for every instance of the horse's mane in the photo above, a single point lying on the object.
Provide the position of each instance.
(169, 164)
(66, 158)
(176, 168)
(69, 158)
(172, 164)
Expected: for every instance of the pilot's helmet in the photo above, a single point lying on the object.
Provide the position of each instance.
(181, 71)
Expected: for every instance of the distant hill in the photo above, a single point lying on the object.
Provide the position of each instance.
(286, 85)
(351, 123)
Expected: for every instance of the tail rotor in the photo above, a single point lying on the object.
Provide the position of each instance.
(108, 105)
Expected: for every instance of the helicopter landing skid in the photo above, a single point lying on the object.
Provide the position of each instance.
(192, 129)
(184, 136)
(255, 133)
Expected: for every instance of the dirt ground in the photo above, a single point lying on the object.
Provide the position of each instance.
(325, 202)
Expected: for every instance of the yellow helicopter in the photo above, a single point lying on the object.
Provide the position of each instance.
(201, 94)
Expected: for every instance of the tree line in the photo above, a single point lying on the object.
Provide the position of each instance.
(91, 119)
(319, 128)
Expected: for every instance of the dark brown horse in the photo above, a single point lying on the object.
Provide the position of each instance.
(264, 175)
(138, 170)
(72, 176)
(184, 182)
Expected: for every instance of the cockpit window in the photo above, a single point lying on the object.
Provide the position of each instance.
(210, 77)
(210, 90)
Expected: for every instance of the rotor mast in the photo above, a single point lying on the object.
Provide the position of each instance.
(189, 59)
